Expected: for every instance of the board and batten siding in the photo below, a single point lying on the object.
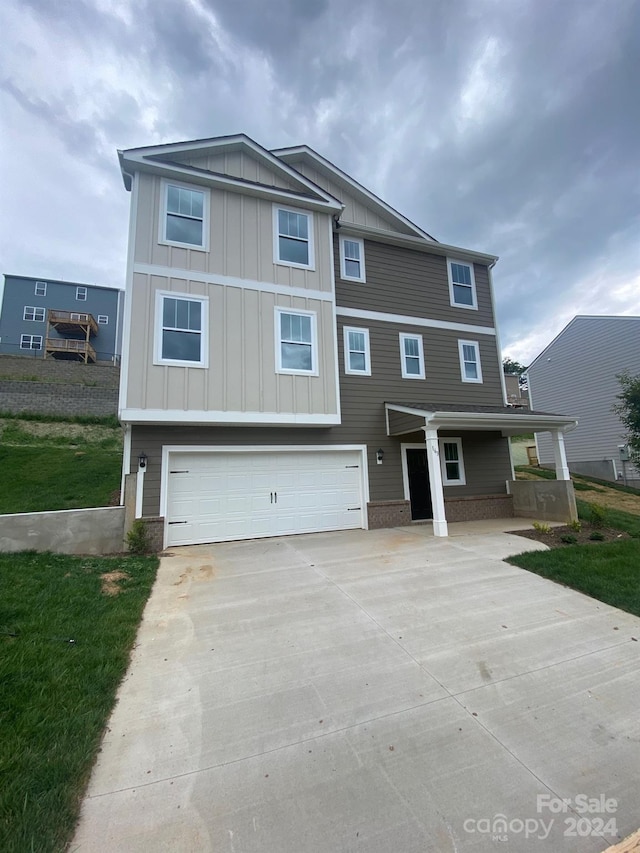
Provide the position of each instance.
(239, 164)
(241, 241)
(241, 376)
(576, 376)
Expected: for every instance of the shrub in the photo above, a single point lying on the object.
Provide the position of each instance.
(597, 536)
(568, 539)
(541, 527)
(575, 525)
(138, 538)
(597, 515)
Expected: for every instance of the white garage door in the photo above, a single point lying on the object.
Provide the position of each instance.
(215, 497)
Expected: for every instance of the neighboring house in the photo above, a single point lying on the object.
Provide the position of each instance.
(47, 318)
(576, 374)
(516, 395)
(298, 356)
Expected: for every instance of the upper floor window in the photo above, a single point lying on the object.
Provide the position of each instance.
(462, 284)
(451, 462)
(32, 313)
(293, 237)
(357, 358)
(41, 288)
(81, 294)
(181, 332)
(185, 215)
(296, 348)
(412, 356)
(352, 259)
(103, 319)
(470, 368)
(30, 341)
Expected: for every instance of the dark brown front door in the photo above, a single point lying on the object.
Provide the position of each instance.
(419, 488)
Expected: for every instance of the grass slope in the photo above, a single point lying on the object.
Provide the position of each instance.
(55, 694)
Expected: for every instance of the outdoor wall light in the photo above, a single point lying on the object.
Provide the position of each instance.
(142, 461)
(379, 456)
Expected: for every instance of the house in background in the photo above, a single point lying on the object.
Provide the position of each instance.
(47, 318)
(516, 395)
(576, 374)
(299, 357)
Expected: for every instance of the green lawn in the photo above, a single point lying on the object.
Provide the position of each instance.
(65, 646)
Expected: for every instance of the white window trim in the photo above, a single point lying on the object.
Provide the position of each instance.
(276, 234)
(103, 319)
(43, 285)
(476, 347)
(343, 271)
(314, 342)
(206, 204)
(204, 332)
(462, 481)
(79, 290)
(35, 309)
(31, 337)
(403, 364)
(367, 351)
(474, 305)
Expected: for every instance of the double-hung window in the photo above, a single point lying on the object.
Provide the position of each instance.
(296, 342)
(451, 462)
(81, 294)
(470, 368)
(411, 356)
(33, 313)
(185, 216)
(293, 237)
(462, 284)
(30, 341)
(181, 333)
(352, 259)
(357, 358)
(41, 288)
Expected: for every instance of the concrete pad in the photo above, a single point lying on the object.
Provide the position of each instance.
(375, 691)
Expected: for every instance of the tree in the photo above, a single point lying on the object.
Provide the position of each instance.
(628, 410)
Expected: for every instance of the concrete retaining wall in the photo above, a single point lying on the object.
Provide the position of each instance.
(70, 531)
(544, 500)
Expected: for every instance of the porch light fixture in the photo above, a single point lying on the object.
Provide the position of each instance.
(142, 461)
(379, 456)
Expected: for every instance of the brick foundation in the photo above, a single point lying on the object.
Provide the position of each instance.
(478, 508)
(155, 531)
(388, 514)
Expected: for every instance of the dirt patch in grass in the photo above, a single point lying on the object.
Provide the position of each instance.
(110, 582)
(560, 537)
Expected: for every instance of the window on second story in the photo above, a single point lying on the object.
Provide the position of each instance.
(293, 237)
(185, 216)
(41, 288)
(30, 341)
(357, 358)
(352, 259)
(81, 294)
(470, 368)
(412, 356)
(33, 313)
(103, 319)
(462, 284)
(181, 333)
(296, 348)
(451, 462)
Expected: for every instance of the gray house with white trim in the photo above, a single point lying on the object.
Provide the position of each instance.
(576, 374)
(298, 356)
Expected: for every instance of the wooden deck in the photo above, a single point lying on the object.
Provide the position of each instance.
(70, 348)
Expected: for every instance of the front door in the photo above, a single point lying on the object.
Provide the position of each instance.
(419, 488)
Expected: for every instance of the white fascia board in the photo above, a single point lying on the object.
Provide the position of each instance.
(421, 245)
(487, 420)
(372, 199)
(195, 417)
(409, 320)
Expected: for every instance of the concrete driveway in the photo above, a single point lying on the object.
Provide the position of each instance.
(378, 691)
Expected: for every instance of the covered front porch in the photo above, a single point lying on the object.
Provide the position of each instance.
(454, 439)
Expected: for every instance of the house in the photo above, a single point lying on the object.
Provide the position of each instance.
(577, 373)
(47, 318)
(298, 356)
(516, 394)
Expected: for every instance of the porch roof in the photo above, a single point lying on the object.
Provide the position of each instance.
(454, 416)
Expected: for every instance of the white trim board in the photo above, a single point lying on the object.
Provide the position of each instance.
(231, 281)
(407, 320)
(190, 417)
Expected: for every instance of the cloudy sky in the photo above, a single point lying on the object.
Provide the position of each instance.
(507, 126)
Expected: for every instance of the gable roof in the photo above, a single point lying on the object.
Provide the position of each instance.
(159, 159)
(304, 153)
(580, 318)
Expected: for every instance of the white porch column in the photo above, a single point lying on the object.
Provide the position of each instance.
(139, 490)
(560, 456)
(435, 481)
